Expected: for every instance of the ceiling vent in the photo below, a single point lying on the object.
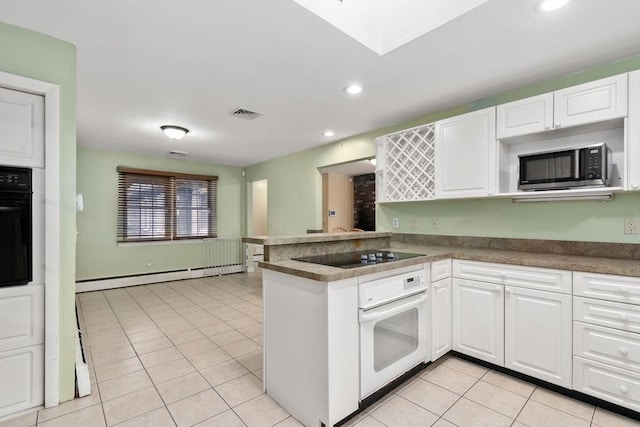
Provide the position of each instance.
(178, 153)
(243, 113)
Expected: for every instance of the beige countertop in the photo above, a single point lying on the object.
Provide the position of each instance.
(618, 266)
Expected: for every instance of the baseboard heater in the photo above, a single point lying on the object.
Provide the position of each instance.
(220, 255)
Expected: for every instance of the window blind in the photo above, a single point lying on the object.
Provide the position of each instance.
(158, 205)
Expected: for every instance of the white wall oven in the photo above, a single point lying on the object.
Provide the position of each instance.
(394, 338)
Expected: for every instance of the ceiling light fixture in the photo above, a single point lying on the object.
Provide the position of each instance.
(353, 89)
(328, 133)
(174, 132)
(550, 5)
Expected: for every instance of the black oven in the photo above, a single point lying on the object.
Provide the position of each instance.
(16, 254)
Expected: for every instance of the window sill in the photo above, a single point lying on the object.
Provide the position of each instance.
(162, 242)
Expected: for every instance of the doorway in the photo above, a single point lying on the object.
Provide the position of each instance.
(348, 196)
(258, 223)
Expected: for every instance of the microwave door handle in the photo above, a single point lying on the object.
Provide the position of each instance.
(376, 314)
(577, 161)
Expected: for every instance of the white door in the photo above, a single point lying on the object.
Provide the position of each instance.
(596, 101)
(440, 318)
(478, 320)
(21, 129)
(525, 116)
(465, 155)
(537, 329)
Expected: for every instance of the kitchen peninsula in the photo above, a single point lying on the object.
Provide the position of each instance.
(580, 294)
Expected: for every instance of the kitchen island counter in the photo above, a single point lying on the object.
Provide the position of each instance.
(589, 264)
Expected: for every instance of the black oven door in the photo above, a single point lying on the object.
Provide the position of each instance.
(548, 171)
(15, 239)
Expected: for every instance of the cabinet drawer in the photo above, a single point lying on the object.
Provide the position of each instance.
(606, 345)
(605, 313)
(608, 383)
(607, 287)
(440, 270)
(527, 277)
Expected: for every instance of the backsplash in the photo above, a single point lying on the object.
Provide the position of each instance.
(558, 247)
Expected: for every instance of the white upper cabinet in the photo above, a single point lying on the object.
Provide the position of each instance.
(21, 129)
(595, 101)
(633, 141)
(590, 102)
(465, 160)
(530, 115)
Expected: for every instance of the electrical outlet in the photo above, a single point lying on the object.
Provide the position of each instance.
(394, 223)
(149, 264)
(414, 223)
(435, 224)
(630, 226)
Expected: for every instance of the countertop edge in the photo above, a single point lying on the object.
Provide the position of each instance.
(615, 266)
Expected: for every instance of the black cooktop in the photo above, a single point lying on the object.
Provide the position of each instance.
(357, 259)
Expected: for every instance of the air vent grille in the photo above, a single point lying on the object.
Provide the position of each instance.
(243, 113)
(178, 153)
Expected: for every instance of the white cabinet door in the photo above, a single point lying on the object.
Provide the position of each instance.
(537, 329)
(22, 373)
(591, 102)
(440, 318)
(633, 140)
(530, 115)
(465, 155)
(21, 129)
(478, 320)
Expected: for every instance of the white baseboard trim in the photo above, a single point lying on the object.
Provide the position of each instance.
(121, 282)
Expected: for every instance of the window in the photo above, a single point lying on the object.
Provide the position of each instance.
(155, 205)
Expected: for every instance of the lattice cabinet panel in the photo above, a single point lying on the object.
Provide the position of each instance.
(406, 165)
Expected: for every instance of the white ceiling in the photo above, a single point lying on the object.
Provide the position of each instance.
(145, 63)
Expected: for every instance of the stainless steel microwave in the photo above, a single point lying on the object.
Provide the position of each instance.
(588, 166)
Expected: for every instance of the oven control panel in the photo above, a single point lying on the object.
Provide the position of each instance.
(15, 179)
(377, 292)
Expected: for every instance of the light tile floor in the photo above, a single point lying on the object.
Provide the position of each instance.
(190, 353)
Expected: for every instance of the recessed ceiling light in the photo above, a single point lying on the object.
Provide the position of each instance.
(550, 5)
(353, 89)
(328, 133)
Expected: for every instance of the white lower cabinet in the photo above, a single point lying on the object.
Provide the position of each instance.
(22, 374)
(615, 385)
(440, 318)
(538, 334)
(478, 320)
(606, 338)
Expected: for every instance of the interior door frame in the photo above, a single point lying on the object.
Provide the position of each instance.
(51, 93)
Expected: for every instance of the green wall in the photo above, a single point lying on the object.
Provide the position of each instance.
(295, 188)
(100, 256)
(40, 57)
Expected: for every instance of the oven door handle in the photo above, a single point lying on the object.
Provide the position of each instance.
(376, 313)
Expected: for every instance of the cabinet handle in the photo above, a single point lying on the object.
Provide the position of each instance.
(624, 317)
(547, 126)
(623, 389)
(508, 291)
(558, 124)
(498, 288)
(436, 286)
(636, 185)
(624, 290)
(623, 351)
